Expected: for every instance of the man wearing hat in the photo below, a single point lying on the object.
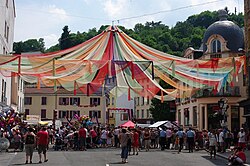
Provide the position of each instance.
(242, 138)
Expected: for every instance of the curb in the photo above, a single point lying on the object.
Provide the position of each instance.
(225, 157)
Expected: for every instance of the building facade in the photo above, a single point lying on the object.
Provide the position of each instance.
(222, 39)
(108, 108)
(11, 88)
(45, 102)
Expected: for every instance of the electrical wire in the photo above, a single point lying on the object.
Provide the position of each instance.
(165, 11)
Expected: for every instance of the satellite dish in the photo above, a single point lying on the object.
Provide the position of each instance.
(4, 143)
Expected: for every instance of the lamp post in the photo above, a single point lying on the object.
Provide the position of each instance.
(223, 109)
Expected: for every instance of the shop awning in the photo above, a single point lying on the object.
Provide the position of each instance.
(5, 108)
(244, 103)
(165, 123)
(246, 115)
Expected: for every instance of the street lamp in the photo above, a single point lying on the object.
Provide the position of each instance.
(223, 109)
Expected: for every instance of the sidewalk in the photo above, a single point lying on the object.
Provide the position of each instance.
(228, 152)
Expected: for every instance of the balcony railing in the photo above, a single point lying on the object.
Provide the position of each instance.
(229, 92)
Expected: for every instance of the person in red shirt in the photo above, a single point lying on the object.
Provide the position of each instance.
(82, 138)
(93, 136)
(135, 142)
(43, 140)
(238, 157)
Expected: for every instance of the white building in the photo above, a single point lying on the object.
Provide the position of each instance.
(10, 88)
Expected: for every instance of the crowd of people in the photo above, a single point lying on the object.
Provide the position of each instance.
(130, 140)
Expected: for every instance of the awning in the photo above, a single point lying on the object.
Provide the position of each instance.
(165, 123)
(246, 115)
(158, 124)
(45, 123)
(244, 103)
(142, 125)
(5, 108)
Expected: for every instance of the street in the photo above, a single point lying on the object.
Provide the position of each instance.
(111, 157)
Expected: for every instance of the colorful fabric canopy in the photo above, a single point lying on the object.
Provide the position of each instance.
(137, 68)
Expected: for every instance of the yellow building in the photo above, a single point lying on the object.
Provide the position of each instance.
(44, 101)
(222, 39)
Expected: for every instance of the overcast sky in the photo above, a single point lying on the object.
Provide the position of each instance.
(46, 18)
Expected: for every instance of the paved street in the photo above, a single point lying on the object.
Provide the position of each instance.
(111, 157)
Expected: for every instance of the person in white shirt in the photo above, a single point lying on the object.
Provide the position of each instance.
(221, 141)
(242, 138)
(212, 143)
(169, 137)
(104, 136)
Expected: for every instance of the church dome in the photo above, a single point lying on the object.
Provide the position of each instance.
(232, 33)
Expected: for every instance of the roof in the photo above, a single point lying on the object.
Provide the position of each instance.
(231, 32)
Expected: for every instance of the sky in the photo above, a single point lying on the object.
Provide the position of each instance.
(45, 18)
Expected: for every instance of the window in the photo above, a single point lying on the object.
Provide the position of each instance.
(148, 100)
(43, 113)
(142, 113)
(3, 50)
(27, 100)
(94, 114)
(113, 100)
(138, 101)
(27, 111)
(138, 114)
(195, 116)
(6, 31)
(142, 101)
(4, 99)
(63, 101)
(186, 116)
(7, 34)
(63, 114)
(75, 101)
(235, 117)
(7, 3)
(179, 116)
(216, 46)
(124, 116)
(148, 113)
(94, 101)
(44, 100)
(73, 113)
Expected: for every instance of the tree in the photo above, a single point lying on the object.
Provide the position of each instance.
(53, 48)
(64, 41)
(162, 111)
(31, 45)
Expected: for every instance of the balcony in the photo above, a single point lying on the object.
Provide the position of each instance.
(228, 92)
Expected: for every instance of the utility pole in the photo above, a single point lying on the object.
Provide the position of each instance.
(247, 39)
